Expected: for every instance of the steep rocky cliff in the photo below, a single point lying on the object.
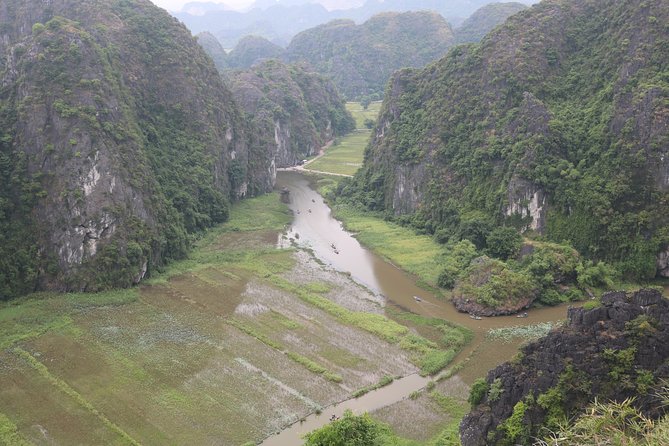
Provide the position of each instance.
(295, 113)
(118, 139)
(558, 122)
(361, 58)
(616, 351)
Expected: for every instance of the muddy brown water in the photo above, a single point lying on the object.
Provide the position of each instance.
(314, 228)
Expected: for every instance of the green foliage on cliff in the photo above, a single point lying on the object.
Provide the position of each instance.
(251, 50)
(484, 20)
(350, 430)
(213, 48)
(294, 112)
(361, 58)
(563, 109)
(116, 144)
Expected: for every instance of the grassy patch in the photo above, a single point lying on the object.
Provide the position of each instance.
(456, 409)
(314, 367)
(9, 434)
(345, 157)
(417, 254)
(434, 361)
(255, 334)
(426, 354)
(261, 213)
(360, 114)
(526, 332)
(69, 391)
(376, 324)
(386, 380)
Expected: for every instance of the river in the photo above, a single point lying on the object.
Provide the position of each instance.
(314, 227)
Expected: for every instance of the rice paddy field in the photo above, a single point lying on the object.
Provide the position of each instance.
(226, 347)
(345, 156)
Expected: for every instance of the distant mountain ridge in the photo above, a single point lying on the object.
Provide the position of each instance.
(280, 21)
(361, 58)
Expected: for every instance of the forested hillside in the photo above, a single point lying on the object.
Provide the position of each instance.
(213, 47)
(118, 141)
(361, 58)
(485, 19)
(280, 21)
(557, 123)
(294, 112)
(253, 49)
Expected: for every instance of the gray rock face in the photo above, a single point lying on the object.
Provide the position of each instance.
(586, 350)
(294, 112)
(663, 263)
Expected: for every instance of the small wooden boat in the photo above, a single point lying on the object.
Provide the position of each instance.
(475, 317)
(418, 299)
(522, 315)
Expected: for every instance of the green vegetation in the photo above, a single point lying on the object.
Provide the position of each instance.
(283, 101)
(478, 391)
(485, 19)
(515, 428)
(612, 423)
(386, 380)
(350, 430)
(252, 49)
(345, 156)
(69, 391)
(528, 332)
(361, 58)
(534, 113)
(8, 433)
(401, 246)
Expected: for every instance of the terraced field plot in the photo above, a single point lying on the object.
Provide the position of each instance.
(345, 157)
(226, 347)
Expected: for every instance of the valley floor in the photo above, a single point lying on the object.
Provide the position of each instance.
(227, 347)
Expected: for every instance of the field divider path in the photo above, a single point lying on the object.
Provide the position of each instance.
(305, 399)
(64, 387)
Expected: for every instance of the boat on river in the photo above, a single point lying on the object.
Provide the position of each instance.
(522, 315)
(418, 299)
(473, 316)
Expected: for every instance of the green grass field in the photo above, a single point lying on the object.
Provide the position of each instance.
(346, 155)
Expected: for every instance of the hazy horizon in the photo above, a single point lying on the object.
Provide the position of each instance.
(176, 5)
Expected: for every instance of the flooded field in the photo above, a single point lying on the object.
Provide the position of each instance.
(227, 347)
(316, 229)
(242, 340)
